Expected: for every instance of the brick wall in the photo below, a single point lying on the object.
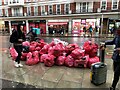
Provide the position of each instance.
(96, 5)
(109, 4)
(62, 8)
(39, 10)
(32, 11)
(24, 10)
(54, 9)
(9, 12)
(73, 7)
(46, 8)
(119, 5)
(3, 10)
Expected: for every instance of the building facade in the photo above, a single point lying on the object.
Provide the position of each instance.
(70, 14)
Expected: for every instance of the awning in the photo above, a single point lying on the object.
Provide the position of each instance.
(57, 23)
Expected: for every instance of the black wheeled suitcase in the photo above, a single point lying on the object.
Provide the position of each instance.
(98, 73)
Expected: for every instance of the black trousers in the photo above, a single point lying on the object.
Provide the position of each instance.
(116, 66)
(18, 48)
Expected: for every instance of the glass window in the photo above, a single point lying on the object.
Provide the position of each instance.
(29, 10)
(42, 10)
(28, 0)
(1, 13)
(6, 12)
(36, 10)
(0, 2)
(16, 12)
(103, 5)
(80, 7)
(58, 9)
(67, 8)
(5, 1)
(84, 7)
(50, 9)
(114, 4)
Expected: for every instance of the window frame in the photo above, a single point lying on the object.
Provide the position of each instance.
(1, 12)
(51, 9)
(42, 9)
(102, 4)
(28, 10)
(65, 10)
(57, 8)
(35, 10)
(112, 5)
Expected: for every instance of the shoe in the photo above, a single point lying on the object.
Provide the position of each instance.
(16, 64)
(20, 65)
(111, 88)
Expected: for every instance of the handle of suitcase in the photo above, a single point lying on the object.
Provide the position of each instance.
(102, 52)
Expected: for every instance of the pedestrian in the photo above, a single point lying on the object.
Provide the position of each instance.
(32, 34)
(84, 30)
(90, 30)
(115, 57)
(17, 38)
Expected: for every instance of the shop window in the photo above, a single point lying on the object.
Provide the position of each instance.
(114, 4)
(58, 9)
(67, 8)
(42, 10)
(103, 4)
(36, 10)
(50, 9)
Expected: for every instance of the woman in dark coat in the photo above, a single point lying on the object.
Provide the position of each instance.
(116, 58)
(18, 37)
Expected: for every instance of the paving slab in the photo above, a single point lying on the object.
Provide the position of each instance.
(68, 84)
(73, 75)
(54, 74)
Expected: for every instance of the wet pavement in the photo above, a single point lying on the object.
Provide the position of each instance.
(40, 76)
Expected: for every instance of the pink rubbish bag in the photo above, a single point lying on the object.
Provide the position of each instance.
(13, 53)
(49, 61)
(93, 60)
(69, 61)
(26, 43)
(60, 60)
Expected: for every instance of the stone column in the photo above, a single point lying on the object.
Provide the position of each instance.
(27, 26)
(70, 26)
(46, 26)
(10, 29)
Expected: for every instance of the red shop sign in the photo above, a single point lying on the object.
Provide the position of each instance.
(56, 23)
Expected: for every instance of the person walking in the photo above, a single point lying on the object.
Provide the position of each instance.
(84, 30)
(90, 30)
(32, 34)
(17, 38)
(115, 57)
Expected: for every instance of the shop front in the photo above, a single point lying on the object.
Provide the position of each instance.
(38, 24)
(79, 24)
(57, 26)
